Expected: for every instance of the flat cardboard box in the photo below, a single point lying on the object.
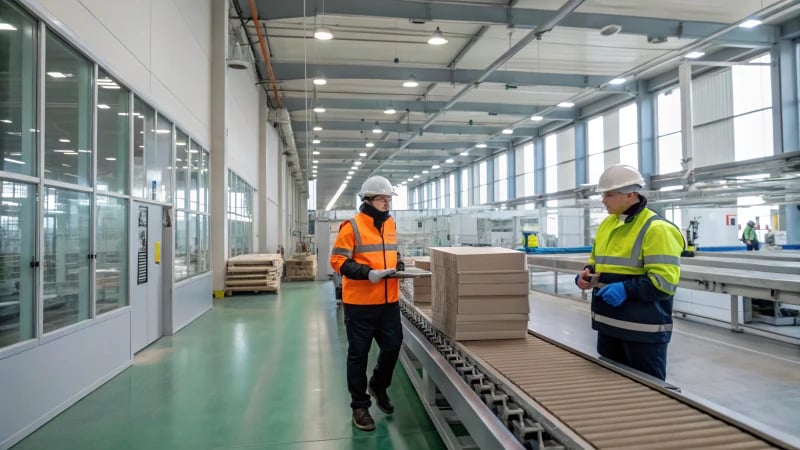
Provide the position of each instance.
(487, 290)
(478, 258)
(423, 262)
(490, 319)
(485, 335)
(494, 276)
(494, 305)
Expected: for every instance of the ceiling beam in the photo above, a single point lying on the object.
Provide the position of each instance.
(430, 107)
(414, 146)
(413, 128)
(299, 71)
(513, 17)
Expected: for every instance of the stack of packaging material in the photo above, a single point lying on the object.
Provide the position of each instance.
(407, 284)
(422, 285)
(479, 292)
(301, 267)
(254, 272)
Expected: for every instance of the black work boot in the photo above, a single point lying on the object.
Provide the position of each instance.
(382, 400)
(363, 420)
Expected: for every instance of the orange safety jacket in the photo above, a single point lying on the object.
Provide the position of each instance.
(359, 240)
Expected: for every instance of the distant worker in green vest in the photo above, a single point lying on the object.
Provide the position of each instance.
(749, 236)
(633, 271)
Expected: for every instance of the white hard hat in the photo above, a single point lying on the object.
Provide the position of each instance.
(620, 178)
(376, 185)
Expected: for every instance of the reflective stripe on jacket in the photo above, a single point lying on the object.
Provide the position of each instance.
(359, 240)
(643, 253)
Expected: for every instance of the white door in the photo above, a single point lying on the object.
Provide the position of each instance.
(146, 318)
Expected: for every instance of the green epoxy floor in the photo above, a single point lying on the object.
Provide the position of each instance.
(255, 372)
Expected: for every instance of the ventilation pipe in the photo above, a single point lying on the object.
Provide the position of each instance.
(281, 120)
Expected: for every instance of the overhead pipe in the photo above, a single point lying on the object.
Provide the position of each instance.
(536, 33)
(264, 52)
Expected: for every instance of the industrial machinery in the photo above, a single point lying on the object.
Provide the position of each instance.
(690, 234)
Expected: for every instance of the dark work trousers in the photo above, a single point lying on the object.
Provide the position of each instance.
(364, 323)
(650, 358)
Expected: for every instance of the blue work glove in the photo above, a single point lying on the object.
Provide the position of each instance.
(613, 294)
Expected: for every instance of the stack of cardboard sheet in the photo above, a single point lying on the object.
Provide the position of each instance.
(422, 285)
(479, 292)
(254, 272)
(301, 267)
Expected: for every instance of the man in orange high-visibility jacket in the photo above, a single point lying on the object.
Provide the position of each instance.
(365, 253)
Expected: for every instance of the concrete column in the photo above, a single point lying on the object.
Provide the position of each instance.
(218, 201)
(538, 166)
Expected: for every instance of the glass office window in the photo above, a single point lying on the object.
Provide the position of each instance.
(65, 262)
(193, 244)
(204, 262)
(18, 136)
(240, 215)
(113, 135)
(203, 182)
(194, 175)
(68, 114)
(17, 244)
(158, 162)
(182, 161)
(181, 242)
(144, 137)
(111, 269)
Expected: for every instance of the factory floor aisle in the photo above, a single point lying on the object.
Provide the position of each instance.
(255, 372)
(752, 376)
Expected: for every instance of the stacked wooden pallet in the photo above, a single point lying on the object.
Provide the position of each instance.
(479, 292)
(258, 272)
(301, 267)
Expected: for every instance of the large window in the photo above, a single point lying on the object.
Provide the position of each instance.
(18, 136)
(65, 262)
(240, 215)
(144, 138)
(464, 188)
(752, 109)
(68, 114)
(524, 172)
(612, 139)
(17, 246)
(501, 177)
(111, 269)
(483, 180)
(669, 131)
(191, 217)
(113, 134)
(452, 194)
(551, 163)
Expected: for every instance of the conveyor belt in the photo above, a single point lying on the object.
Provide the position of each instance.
(606, 409)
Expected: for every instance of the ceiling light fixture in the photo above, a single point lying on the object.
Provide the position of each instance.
(362, 154)
(566, 105)
(449, 160)
(424, 172)
(411, 82)
(435, 166)
(437, 38)
(370, 144)
(315, 141)
(323, 34)
(377, 128)
(695, 55)
(389, 111)
(536, 118)
(320, 80)
(317, 128)
(315, 152)
(464, 153)
(750, 23)
(319, 109)
(315, 161)
(617, 81)
(508, 131)
(481, 145)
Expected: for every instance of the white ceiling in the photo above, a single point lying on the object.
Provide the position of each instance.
(370, 57)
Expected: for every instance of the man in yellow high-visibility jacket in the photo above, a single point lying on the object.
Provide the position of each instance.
(637, 255)
(365, 253)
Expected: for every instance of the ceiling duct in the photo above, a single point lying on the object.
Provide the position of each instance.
(281, 120)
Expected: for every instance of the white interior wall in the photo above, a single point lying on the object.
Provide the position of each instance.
(713, 231)
(274, 163)
(159, 48)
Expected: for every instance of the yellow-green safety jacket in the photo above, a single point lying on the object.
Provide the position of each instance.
(643, 252)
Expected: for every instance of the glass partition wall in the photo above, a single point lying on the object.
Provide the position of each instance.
(77, 147)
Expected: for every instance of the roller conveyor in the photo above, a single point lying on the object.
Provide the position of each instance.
(534, 393)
